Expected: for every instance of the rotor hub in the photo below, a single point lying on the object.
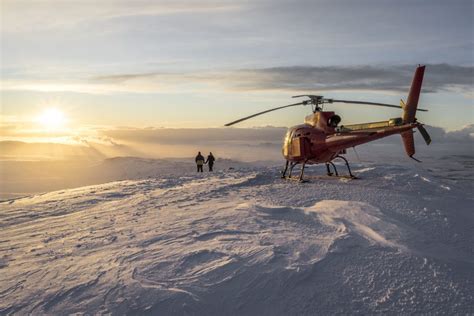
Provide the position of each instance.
(316, 101)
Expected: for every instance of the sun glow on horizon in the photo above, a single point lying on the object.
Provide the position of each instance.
(52, 119)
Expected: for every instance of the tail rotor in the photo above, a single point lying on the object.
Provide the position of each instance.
(409, 112)
(424, 134)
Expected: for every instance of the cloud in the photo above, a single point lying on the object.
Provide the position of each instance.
(466, 134)
(115, 136)
(395, 78)
(321, 78)
(188, 136)
(25, 15)
(369, 78)
(463, 135)
(247, 144)
(438, 77)
(439, 135)
(264, 135)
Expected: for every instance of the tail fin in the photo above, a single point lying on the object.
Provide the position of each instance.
(409, 110)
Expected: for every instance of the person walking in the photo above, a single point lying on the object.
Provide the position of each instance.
(199, 161)
(210, 161)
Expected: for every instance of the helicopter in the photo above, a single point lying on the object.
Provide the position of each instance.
(322, 140)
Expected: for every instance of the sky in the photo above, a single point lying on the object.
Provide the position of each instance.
(200, 64)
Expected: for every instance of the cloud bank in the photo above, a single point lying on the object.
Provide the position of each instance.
(395, 78)
(438, 77)
(390, 78)
(185, 136)
(246, 144)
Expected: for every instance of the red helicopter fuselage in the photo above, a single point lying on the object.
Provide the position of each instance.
(316, 142)
(321, 140)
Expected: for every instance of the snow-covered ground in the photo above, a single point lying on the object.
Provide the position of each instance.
(241, 241)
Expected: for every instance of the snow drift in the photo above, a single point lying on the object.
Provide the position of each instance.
(242, 242)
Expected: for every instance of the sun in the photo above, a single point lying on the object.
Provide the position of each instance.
(52, 118)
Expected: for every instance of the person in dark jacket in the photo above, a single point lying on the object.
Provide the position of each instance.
(199, 161)
(210, 161)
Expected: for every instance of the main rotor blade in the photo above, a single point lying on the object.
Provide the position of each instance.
(371, 103)
(260, 113)
(425, 134)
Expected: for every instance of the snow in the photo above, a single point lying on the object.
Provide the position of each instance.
(243, 241)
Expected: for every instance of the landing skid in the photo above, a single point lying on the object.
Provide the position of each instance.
(290, 165)
(296, 179)
(326, 177)
(320, 177)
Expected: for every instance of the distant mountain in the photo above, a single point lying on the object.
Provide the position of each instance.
(15, 150)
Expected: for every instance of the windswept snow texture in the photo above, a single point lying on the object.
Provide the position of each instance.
(243, 242)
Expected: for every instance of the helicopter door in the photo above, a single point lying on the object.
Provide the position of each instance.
(300, 147)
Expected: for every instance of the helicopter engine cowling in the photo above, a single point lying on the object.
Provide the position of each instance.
(326, 121)
(334, 120)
